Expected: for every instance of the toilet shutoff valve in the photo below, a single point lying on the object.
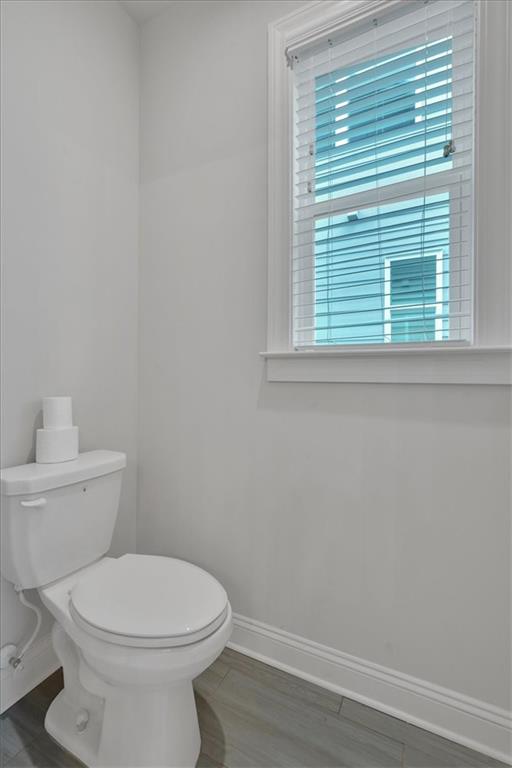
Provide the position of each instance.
(8, 657)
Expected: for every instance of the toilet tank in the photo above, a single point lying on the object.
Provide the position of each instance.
(57, 518)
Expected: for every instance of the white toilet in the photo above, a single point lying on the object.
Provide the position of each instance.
(131, 632)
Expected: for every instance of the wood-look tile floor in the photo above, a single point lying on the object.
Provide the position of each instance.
(254, 716)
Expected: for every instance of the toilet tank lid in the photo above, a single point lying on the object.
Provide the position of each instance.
(35, 478)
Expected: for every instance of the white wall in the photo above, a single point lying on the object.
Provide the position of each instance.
(70, 234)
(373, 519)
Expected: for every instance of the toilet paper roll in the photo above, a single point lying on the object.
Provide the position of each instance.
(57, 413)
(55, 445)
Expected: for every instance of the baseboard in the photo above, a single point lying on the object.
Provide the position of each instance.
(38, 663)
(468, 721)
(455, 716)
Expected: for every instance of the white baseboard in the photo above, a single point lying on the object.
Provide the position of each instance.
(455, 716)
(38, 663)
(468, 721)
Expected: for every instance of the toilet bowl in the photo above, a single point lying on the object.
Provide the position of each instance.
(131, 632)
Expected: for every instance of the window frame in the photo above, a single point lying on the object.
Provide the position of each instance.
(487, 358)
(388, 305)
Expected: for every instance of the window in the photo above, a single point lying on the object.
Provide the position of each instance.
(414, 298)
(390, 191)
(382, 181)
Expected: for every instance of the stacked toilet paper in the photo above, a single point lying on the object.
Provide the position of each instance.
(58, 440)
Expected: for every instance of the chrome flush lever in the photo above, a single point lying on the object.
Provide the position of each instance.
(41, 502)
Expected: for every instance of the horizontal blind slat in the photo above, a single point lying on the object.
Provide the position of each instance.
(372, 108)
(431, 165)
(412, 297)
(388, 39)
(336, 68)
(461, 115)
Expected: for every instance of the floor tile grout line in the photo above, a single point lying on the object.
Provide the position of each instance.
(406, 743)
(334, 716)
(31, 740)
(403, 744)
(12, 758)
(221, 682)
(324, 708)
(226, 673)
(309, 705)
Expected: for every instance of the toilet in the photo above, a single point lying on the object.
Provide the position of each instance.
(130, 632)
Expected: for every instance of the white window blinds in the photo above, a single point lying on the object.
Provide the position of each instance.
(383, 145)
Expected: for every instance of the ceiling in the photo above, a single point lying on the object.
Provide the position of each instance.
(142, 10)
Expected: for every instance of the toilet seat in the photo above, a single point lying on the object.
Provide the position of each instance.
(148, 601)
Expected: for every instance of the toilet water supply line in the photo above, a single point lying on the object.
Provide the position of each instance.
(15, 661)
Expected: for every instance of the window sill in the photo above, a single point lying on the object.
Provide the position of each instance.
(396, 365)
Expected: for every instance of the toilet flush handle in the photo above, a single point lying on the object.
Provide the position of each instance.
(41, 502)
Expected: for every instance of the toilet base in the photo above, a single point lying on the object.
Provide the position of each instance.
(124, 706)
(60, 722)
(128, 735)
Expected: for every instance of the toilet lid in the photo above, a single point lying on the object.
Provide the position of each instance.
(146, 600)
